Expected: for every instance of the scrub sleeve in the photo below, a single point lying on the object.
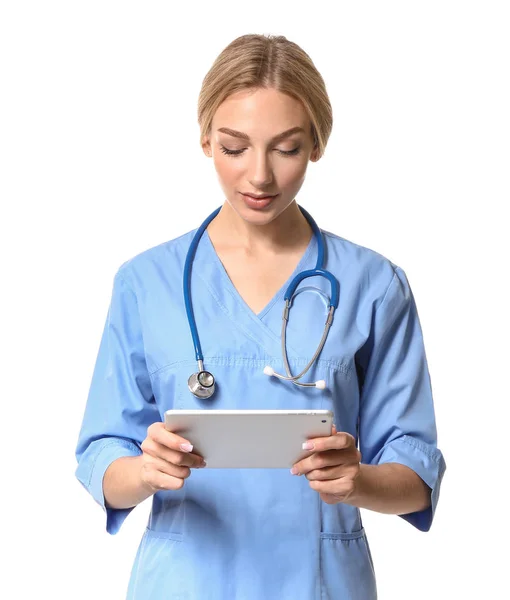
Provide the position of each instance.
(396, 419)
(120, 405)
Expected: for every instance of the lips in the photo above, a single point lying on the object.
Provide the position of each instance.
(259, 197)
(257, 202)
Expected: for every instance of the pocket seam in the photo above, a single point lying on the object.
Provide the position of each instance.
(355, 535)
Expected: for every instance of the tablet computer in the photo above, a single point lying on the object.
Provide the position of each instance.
(243, 439)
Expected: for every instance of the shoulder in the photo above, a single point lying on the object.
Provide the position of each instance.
(167, 257)
(353, 251)
(364, 267)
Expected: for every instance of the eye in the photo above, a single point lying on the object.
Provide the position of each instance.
(239, 152)
(231, 152)
(290, 152)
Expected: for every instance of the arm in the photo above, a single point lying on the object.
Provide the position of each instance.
(122, 483)
(164, 464)
(396, 421)
(335, 471)
(119, 409)
(397, 432)
(390, 488)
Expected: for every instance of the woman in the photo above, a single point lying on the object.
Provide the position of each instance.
(261, 533)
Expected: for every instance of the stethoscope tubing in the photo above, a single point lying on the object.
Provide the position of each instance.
(187, 284)
(194, 382)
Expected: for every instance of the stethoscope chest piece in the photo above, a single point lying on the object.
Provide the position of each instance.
(201, 384)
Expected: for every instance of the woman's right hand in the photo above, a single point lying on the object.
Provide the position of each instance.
(165, 463)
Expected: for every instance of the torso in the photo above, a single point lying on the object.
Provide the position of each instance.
(251, 510)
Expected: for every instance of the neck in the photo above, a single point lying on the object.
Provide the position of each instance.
(289, 229)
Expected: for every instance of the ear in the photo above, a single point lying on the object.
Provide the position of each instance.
(206, 147)
(314, 156)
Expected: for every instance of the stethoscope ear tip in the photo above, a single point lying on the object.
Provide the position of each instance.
(320, 384)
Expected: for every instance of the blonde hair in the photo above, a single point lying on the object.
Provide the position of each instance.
(267, 61)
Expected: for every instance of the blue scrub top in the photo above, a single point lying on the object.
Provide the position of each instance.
(259, 533)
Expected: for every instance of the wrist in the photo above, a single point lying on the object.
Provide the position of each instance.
(123, 485)
(389, 488)
(146, 488)
(361, 487)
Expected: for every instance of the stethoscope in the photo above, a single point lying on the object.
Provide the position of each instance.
(202, 383)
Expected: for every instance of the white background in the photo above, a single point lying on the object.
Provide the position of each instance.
(100, 160)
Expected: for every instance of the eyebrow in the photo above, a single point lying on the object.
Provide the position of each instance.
(276, 138)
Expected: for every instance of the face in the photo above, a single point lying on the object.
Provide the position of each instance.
(249, 157)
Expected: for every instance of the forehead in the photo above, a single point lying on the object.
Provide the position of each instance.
(260, 113)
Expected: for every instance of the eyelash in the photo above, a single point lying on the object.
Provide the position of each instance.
(239, 152)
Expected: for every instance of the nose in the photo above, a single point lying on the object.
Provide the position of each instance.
(261, 170)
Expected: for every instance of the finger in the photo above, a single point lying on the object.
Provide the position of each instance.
(341, 472)
(324, 474)
(159, 480)
(152, 465)
(337, 441)
(339, 488)
(160, 434)
(157, 450)
(321, 460)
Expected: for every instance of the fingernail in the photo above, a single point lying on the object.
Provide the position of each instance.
(308, 446)
(202, 465)
(294, 471)
(186, 447)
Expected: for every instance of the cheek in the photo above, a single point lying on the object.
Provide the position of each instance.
(292, 176)
(227, 169)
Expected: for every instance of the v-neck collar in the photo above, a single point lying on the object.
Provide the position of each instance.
(279, 295)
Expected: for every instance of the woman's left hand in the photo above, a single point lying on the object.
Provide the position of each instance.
(333, 468)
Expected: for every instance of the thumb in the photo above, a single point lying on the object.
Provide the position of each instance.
(333, 429)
